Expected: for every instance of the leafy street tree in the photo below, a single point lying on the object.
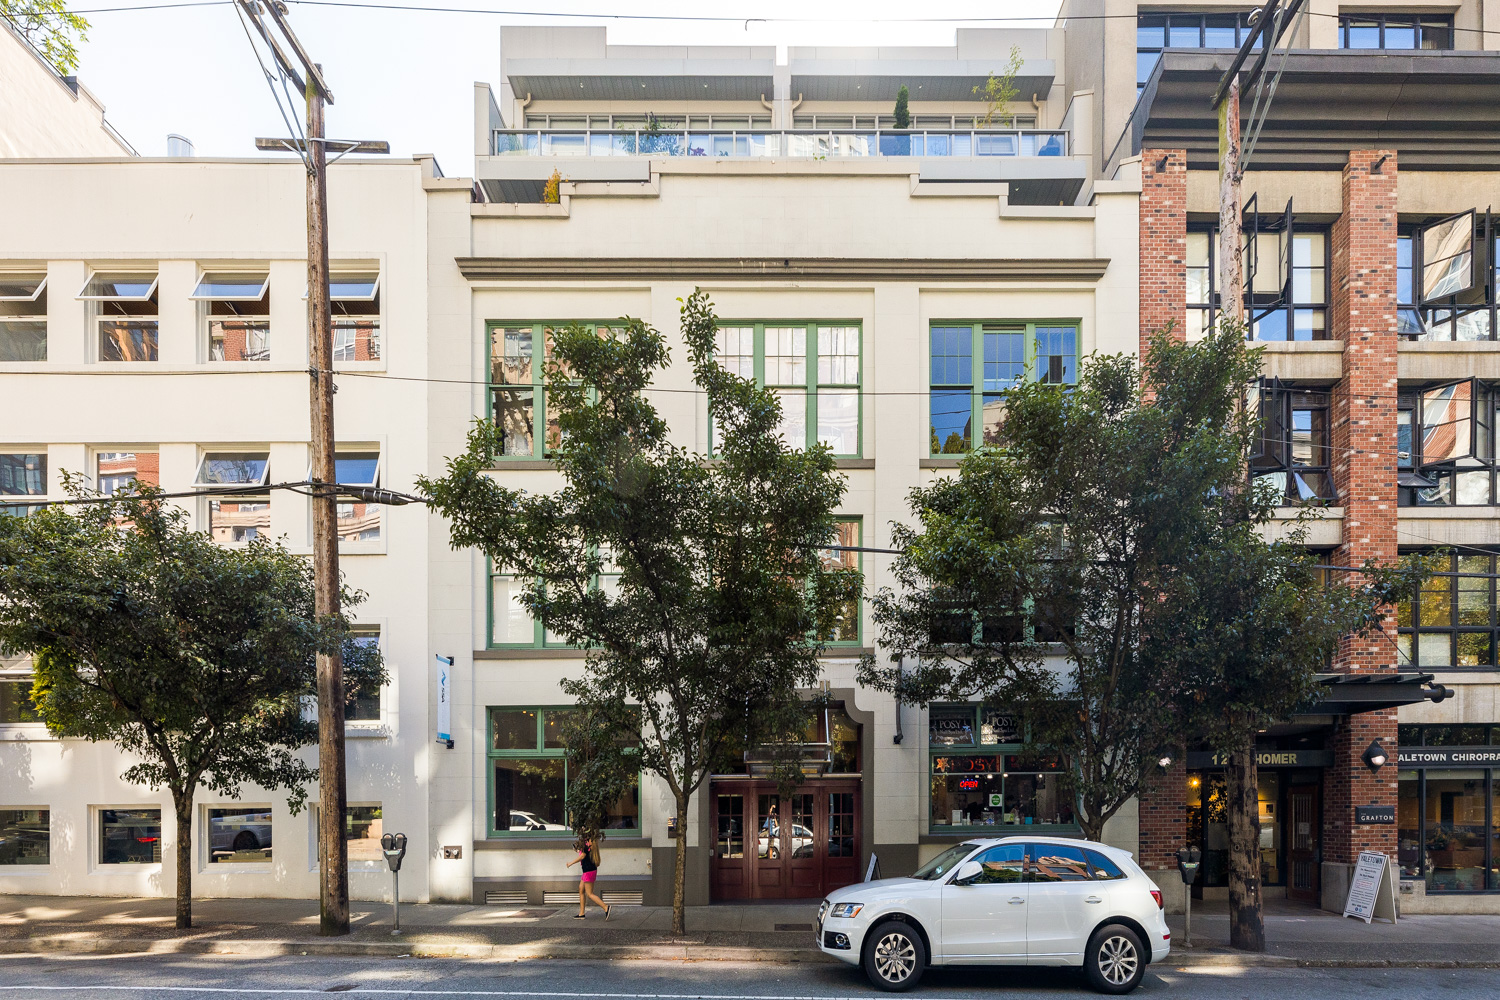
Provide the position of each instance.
(903, 112)
(195, 659)
(1037, 574)
(998, 91)
(1259, 624)
(1106, 570)
(50, 27)
(711, 618)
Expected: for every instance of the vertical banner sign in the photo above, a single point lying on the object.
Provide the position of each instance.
(1372, 891)
(444, 708)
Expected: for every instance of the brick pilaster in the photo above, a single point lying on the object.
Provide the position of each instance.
(1163, 819)
(1163, 242)
(1363, 316)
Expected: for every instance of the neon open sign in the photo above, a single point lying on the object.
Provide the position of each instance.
(969, 784)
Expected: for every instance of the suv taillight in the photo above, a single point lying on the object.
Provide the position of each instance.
(1156, 895)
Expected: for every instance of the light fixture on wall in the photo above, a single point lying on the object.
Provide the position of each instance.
(1374, 756)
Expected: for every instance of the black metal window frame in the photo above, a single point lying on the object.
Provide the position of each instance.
(1281, 406)
(1438, 27)
(1168, 22)
(1451, 618)
(1423, 734)
(1443, 318)
(1463, 481)
(1262, 305)
(1491, 861)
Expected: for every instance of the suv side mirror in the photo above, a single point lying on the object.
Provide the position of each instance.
(967, 873)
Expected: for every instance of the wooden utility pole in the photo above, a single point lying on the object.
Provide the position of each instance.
(332, 792)
(1231, 238)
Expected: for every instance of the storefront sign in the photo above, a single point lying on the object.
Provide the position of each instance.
(1032, 763)
(1375, 815)
(1199, 759)
(1448, 757)
(1372, 890)
(946, 727)
(966, 765)
(999, 727)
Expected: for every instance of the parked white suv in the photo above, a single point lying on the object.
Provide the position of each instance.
(1007, 901)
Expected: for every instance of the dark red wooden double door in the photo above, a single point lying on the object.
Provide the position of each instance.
(773, 846)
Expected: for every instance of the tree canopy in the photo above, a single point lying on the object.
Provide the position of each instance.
(50, 27)
(695, 584)
(196, 659)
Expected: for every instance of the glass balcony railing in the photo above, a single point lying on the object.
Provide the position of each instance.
(760, 144)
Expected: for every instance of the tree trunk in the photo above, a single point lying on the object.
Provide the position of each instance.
(1092, 829)
(1247, 929)
(184, 806)
(679, 873)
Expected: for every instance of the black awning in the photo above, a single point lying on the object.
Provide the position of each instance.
(1350, 694)
(1438, 110)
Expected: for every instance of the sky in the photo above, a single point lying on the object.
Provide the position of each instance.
(407, 76)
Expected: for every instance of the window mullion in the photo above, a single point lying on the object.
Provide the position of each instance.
(1029, 346)
(976, 397)
(810, 360)
(760, 354)
(538, 391)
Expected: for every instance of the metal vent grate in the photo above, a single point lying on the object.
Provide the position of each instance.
(505, 898)
(612, 898)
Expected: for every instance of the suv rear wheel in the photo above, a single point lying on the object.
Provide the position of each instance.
(894, 957)
(1114, 962)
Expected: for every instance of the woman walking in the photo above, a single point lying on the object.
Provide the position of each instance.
(588, 857)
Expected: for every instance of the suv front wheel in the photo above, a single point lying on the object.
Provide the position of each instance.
(894, 957)
(1114, 961)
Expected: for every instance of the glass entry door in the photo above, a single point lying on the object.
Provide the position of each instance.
(1303, 832)
(773, 846)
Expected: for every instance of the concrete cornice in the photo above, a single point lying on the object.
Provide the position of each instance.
(753, 268)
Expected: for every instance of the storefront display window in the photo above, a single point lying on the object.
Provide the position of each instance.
(1454, 807)
(1448, 814)
(988, 788)
(529, 776)
(1208, 826)
(129, 836)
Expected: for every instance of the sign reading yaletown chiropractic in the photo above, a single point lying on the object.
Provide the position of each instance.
(1448, 757)
(1263, 758)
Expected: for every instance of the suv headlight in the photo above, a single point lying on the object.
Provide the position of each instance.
(846, 910)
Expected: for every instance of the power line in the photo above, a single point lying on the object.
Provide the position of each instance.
(1056, 19)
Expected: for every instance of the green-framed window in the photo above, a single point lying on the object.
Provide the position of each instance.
(528, 776)
(813, 366)
(847, 630)
(972, 364)
(512, 626)
(983, 779)
(519, 353)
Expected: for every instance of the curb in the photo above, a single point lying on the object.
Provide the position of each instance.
(416, 948)
(685, 952)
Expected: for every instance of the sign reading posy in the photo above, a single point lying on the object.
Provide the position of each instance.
(444, 707)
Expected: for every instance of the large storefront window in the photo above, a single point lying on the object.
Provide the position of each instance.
(1448, 810)
(529, 776)
(997, 784)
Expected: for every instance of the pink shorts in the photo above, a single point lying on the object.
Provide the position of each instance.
(589, 876)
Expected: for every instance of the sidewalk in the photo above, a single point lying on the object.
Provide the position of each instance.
(771, 932)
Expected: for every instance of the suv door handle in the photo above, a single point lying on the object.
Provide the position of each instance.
(1093, 899)
(1016, 901)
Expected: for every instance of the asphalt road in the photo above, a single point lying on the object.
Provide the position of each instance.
(199, 977)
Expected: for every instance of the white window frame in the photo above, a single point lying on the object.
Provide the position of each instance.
(21, 276)
(97, 864)
(123, 273)
(205, 866)
(199, 483)
(199, 295)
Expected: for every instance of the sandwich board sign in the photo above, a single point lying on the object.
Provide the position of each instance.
(1372, 890)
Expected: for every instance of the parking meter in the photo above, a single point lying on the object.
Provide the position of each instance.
(1188, 859)
(393, 846)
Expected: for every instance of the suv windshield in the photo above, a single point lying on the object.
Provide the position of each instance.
(944, 863)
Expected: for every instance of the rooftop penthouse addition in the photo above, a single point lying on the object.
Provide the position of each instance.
(569, 101)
